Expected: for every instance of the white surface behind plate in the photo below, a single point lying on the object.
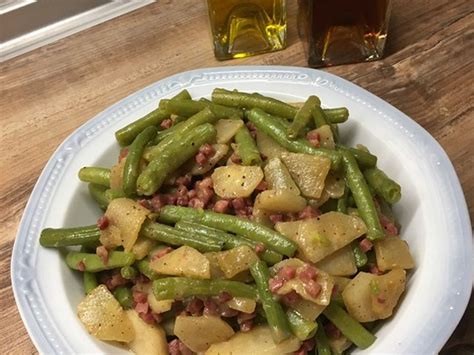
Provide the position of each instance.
(432, 211)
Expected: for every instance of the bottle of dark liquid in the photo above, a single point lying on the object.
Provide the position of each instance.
(343, 31)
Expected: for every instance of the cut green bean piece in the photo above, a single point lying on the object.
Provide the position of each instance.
(182, 287)
(271, 127)
(359, 256)
(180, 149)
(230, 240)
(342, 201)
(303, 116)
(131, 168)
(251, 230)
(301, 327)
(276, 317)
(95, 175)
(90, 282)
(385, 187)
(189, 107)
(97, 192)
(319, 117)
(364, 159)
(62, 237)
(173, 236)
(93, 263)
(128, 272)
(348, 326)
(124, 296)
(111, 194)
(143, 267)
(322, 342)
(336, 115)
(362, 196)
(249, 101)
(247, 148)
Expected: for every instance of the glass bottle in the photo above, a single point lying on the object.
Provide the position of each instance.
(241, 28)
(343, 31)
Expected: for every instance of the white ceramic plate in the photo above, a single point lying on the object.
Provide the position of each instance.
(433, 211)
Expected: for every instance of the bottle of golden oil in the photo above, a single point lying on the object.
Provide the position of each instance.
(343, 31)
(241, 28)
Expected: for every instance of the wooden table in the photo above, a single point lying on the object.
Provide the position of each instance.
(428, 73)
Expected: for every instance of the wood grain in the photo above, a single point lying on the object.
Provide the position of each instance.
(45, 94)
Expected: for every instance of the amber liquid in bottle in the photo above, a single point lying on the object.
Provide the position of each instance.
(344, 31)
(241, 28)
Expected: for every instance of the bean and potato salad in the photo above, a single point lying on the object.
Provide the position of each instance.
(238, 225)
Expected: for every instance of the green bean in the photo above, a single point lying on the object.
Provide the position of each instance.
(93, 263)
(249, 101)
(359, 256)
(124, 296)
(348, 326)
(247, 148)
(336, 115)
(301, 327)
(127, 134)
(128, 272)
(111, 194)
(161, 136)
(95, 175)
(251, 230)
(180, 149)
(188, 108)
(322, 343)
(134, 156)
(362, 196)
(230, 240)
(173, 236)
(181, 287)
(303, 117)
(364, 159)
(319, 117)
(97, 192)
(271, 127)
(89, 281)
(144, 268)
(342, 201)
(62, 237)
(276, 317)
(385, 187)
(182, 130)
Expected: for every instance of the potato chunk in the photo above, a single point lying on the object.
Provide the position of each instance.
(103, 316)
(184, 261)
(226, 129)
(116, 175)
(236, 260)
(339, 263)
(268, 147)
(149, 339)
(199, 333)
(308, 171)
(280, 201)
(393, 253)
(322, 236)
(125, 217)
(236, 180)
(369, 297)
(245, 305)
(278, 177)
(258, 341)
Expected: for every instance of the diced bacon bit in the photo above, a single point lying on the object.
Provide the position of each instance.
(81, 266)
(332, 331)
(308, 212)
(210, 307)
(275, 283)
(221, 206)
(177, 306)
(102, 222)
(182, 191)
(184, 180)
(373, 269)
(226, 311)
(196, 203)
(207, 149)
(167, 123)
(157, 317)
(141, 307)
(145, 203)
(156, 203)
(113, 280)
(259, 248)
(204, 190)
(123, 153)
(290, 298)
(200, 158)
(245, 212)
(312, 288)
(140, 279)
(177, 347)
(308, 273)
(314, 138)
(162, 252)
(195, 306)
(183, 349)
(335, 291)
(234, 158)
(287, 272)
(238, 203)
(365, 245)
(389, 227)
(170, 199)
(139, 297)
(182, 201)
(275, 218)
(251, 126)
(262, 186)
(306, 347)
(192, 193)
(246, 326)
(103, 254)
(147, 318)
(224, 297)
